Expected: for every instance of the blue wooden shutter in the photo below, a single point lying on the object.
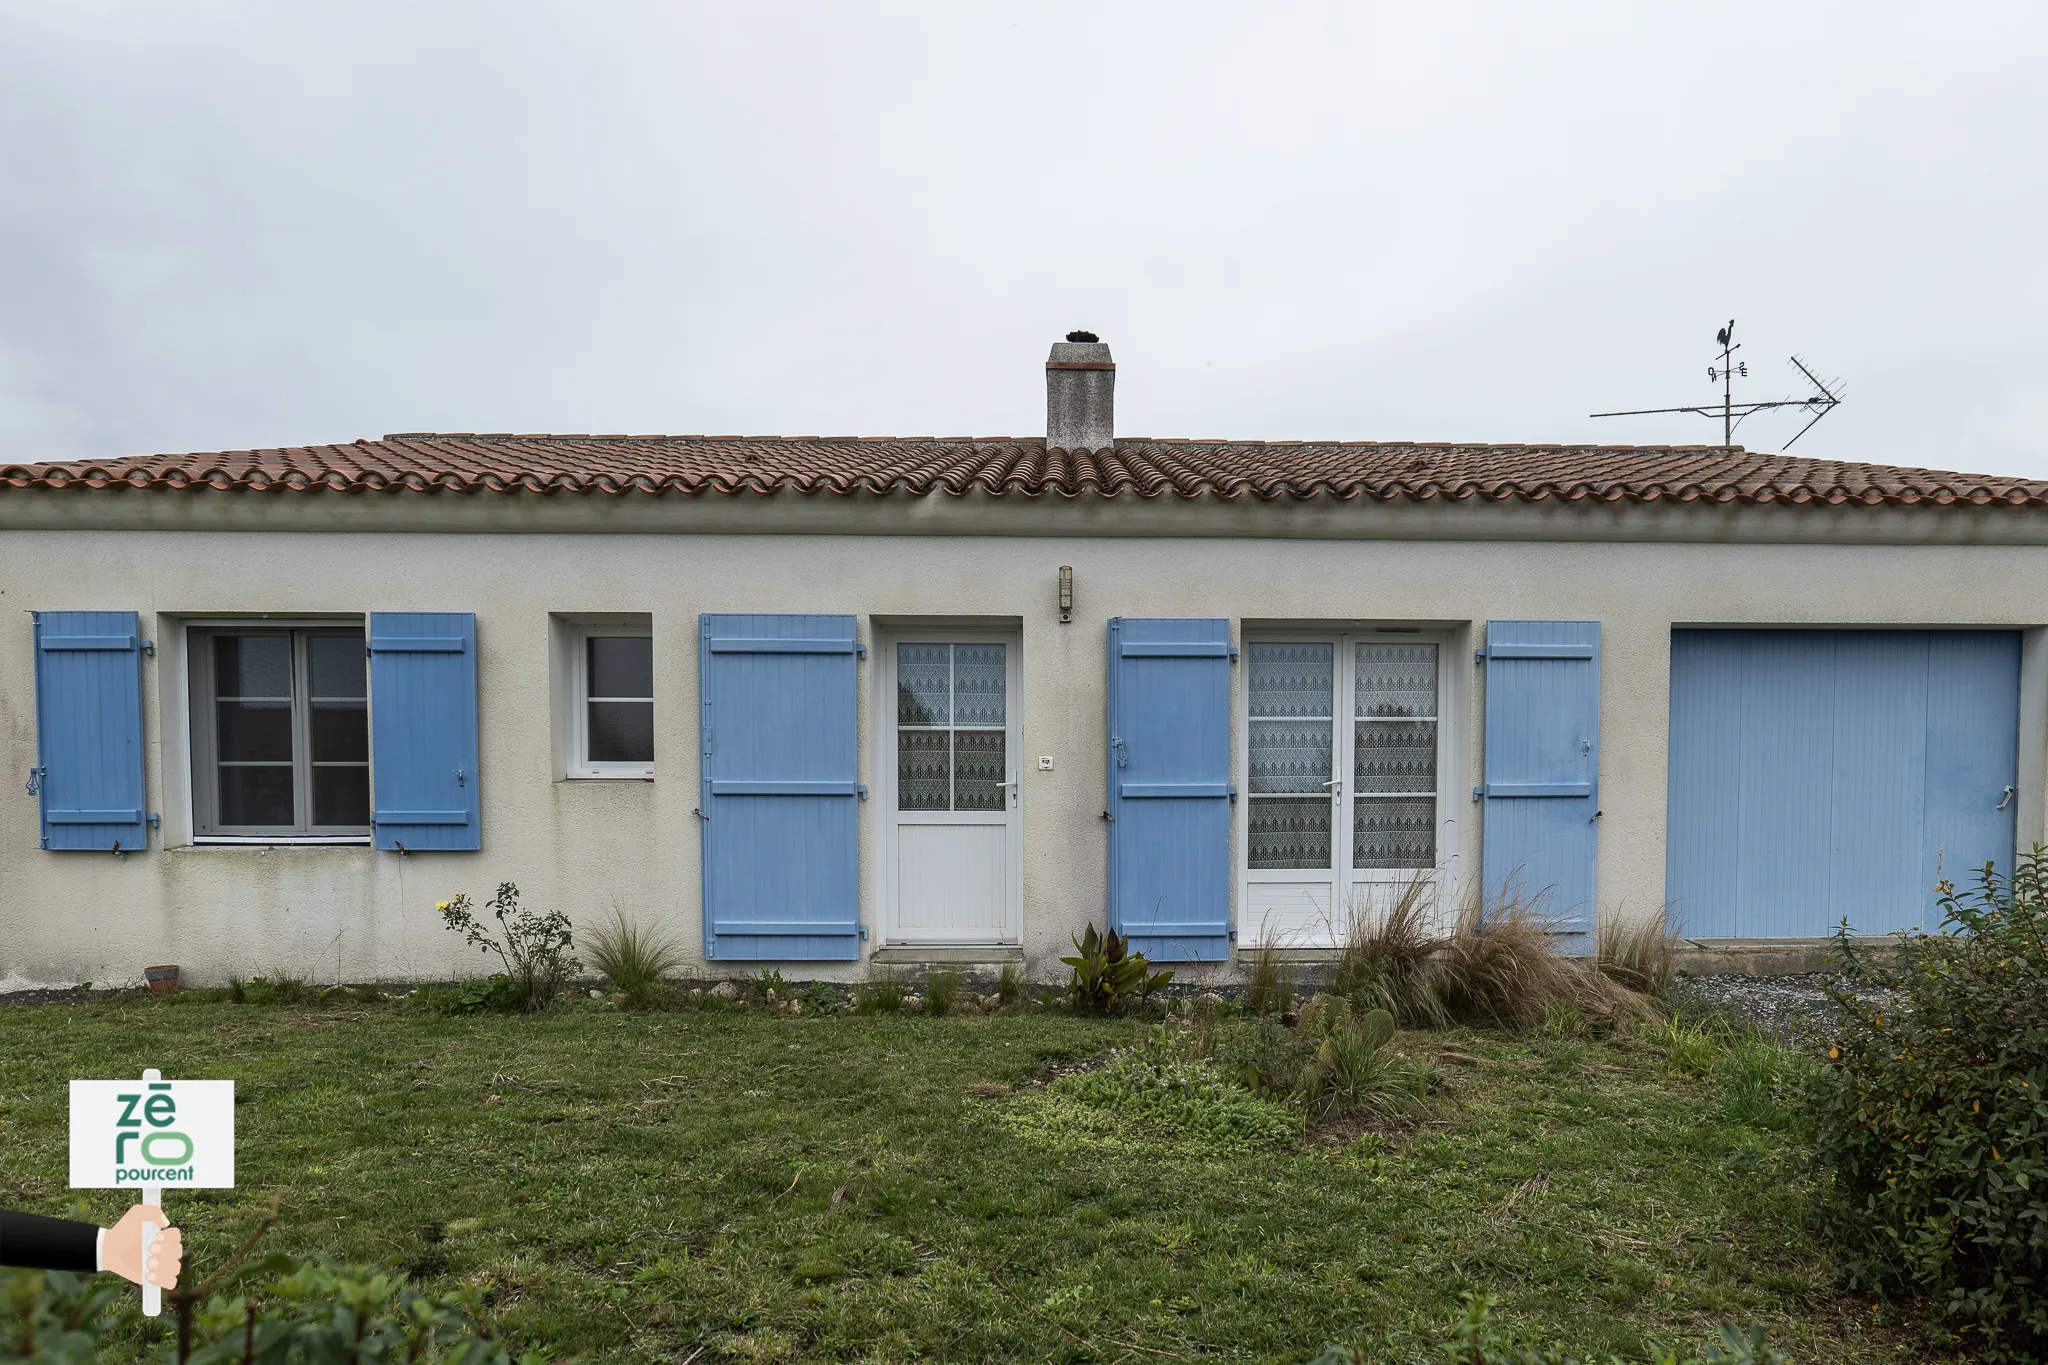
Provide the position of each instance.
(89, 730)
(1169, 787)
(423, 747)
(1542, 787)
(779, 787)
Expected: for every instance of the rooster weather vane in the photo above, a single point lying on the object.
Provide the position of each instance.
(1731, 413)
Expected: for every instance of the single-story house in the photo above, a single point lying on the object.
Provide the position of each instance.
(818, 701)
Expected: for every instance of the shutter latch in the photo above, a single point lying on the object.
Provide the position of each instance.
(1123, 760)
(35, 780)
(461, 779)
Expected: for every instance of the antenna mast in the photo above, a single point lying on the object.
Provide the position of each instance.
(1826, 398)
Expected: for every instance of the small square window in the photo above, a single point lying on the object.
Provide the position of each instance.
(612, 721)
(280, 732)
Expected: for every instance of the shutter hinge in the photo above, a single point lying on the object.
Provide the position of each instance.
(863, 933)
(148, 647)
(1233, 654)
(1233, 793)
(860, 650)
(155, 820)
(1479, 655)
(1478, 792)
(862, 789)
(1233, 933)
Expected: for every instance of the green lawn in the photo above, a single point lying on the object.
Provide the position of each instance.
(637, 1186)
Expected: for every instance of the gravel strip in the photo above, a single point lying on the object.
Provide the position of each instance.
(1788, 1008)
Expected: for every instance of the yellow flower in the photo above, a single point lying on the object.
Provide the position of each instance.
(441, 906)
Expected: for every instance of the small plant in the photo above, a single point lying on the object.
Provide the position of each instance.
(941, 991)
(275, 990)
(1010, 985)
(493, 994)
(536, 949)
(1108, 977)
(1272, 984)
(820, 998)
(635, 959)
(1355, 1071)
(767, 984)
(1636, 951)
(1756, 1076)
(882, 993)
(1692, 1047)
(1158, 1085)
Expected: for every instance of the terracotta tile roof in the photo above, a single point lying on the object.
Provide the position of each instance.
(1139, 466)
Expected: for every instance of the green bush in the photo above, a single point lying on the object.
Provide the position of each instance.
(1158, 1083)
(310, 1314)
(1932, 1114)
(495, 994)
(535, 948)
(1354, 1070)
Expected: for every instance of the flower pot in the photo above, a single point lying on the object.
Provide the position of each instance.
(162, 980)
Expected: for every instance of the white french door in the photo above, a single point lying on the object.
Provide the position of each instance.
(1347, 798)
(952, 846)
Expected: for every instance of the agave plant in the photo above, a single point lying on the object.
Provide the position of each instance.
(1107, 975)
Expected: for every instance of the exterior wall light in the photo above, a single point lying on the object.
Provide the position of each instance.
(1066, 592)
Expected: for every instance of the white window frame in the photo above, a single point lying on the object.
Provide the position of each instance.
(1451, 743)
(192, 757)
(577, 765)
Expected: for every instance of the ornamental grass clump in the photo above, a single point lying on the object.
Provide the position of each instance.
(537, 949)
(1393, 961)
(1932, 1111)
(636, 959)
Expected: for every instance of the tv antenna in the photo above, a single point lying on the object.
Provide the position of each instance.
(1826, 398)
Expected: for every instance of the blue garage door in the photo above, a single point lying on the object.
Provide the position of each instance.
(1817, 775)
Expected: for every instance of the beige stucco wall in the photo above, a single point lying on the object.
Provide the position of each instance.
(354, 914)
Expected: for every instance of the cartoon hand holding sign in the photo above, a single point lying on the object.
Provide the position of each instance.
(145, 1135)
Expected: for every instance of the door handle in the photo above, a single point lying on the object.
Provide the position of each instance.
(2006, 800)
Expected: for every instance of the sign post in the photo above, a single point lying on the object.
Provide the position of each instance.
(147, 1134)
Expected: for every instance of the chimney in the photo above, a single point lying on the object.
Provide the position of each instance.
(1080, 394)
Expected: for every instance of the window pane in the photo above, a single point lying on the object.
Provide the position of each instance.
(255, 731)
(1292, 680)
(1289, 832)
(1396, 680)
(1394, 756)
(1393, 832)
(979, 768)
(341, 733)
(923, 769)
(251, 795)
(252, 666)
(621, 666)
(622, 732)
(341, 795)
(978, 681)
(1289, 755)
(340, 666)
(923, 686)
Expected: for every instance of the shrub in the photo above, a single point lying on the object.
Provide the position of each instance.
(767, 984)
(315, 1312)
(1392, 962)
(535, 948)
(1010, 985)
(1107, 976)
(1637, 952)
(274, 990)
(1932, 1115)
(636, 960)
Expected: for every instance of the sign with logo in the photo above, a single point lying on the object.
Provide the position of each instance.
(152, 1133)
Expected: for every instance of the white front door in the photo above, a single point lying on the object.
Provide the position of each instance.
(951, 821)
(1346, 803)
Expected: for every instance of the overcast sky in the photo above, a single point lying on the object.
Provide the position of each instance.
(232, 225)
